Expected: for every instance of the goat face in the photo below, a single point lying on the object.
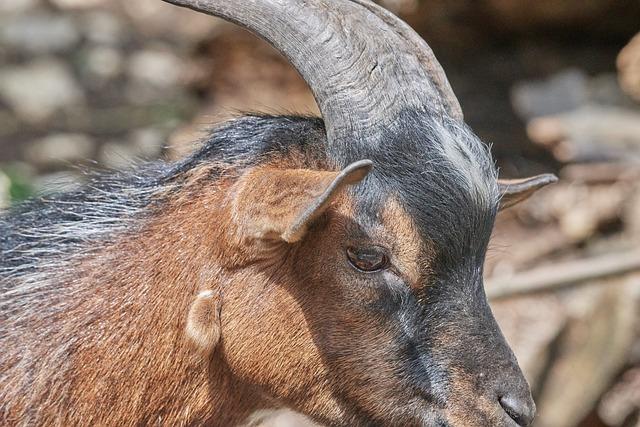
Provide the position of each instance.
(361, 304)
(359, 296)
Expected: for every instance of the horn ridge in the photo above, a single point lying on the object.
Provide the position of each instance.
(363, 64)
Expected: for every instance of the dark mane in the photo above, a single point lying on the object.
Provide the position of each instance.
(59, 224)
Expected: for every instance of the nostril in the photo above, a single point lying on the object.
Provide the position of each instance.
(522, 411)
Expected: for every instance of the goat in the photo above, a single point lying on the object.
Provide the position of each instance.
(330, 266)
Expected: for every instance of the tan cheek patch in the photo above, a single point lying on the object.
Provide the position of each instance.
(203, 321)
(408, 248)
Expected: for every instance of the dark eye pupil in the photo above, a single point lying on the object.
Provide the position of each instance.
(367, 259)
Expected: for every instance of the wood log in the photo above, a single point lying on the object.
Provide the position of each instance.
(561, 275)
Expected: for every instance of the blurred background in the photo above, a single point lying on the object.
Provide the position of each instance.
(553, 85)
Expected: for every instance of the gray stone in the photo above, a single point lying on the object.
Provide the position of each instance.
(604, 89)
(628, 63)
(590, 133)
(152, 19)
(62, 148)
(39, 89)
(77, 4)
(155, 67)
(39, 33)
(5, 184)
(147, 142)
(16, 6)
(559, 93)
(103, 63)
(104, 28)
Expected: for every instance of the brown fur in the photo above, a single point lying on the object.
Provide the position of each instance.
(209, 268)
(132, 361)
(203, 321)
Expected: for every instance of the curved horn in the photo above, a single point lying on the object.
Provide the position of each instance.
(363, 64)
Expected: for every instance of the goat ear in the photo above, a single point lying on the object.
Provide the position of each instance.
(203, 321)
(514, 191)
(281, 203)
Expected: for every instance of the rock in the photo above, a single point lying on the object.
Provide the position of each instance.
(39, 33)
(103, 63)
(159, 68)
(605, 90)
(77, 4)
(5, 185)
(16, 6)
(9, 124)
(105, 28)
(62, 148)
(152, 18)
(562, 92)
(628, 63)
(147, 142)
(590, 133)
(39, 89)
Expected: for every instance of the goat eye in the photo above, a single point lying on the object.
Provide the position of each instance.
(368, 259)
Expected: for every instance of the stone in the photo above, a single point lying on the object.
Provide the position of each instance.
(604, 89)
(61, 148)
(590, 133)
(37, 90)
(104, 28)
(628, 63)
(103, 63)
(559, 93)
(156, 67)
(39, 33)
(147, 142)
(16, 6)
(152, 18)
(77, 4)
(5, 186)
